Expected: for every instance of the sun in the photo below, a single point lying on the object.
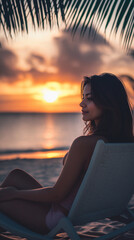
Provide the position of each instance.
(50, 96)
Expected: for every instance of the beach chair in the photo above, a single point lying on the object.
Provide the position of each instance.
(105, 192)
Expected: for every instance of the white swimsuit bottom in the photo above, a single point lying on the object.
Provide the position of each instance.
(53, 216)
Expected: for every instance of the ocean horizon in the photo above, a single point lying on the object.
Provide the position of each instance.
(37, 135)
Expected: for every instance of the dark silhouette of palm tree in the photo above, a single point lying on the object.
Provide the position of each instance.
(118, 15)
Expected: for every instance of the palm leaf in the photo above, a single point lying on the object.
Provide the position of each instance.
(84, 26)
(48, 3)
(115, 14)
(129, 33)
(83, 9)
(56, 10)
(71, 7)
(128, 26)
(24, 14)
(114, 3)
(118, 15)
(19, 9)
(11, 16)
(44, 10)
(127, 17)
(61, 7)
(4, 5)
(15, 14)
(1, 20)
(104, 9)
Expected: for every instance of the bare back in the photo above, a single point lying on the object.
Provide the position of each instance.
(75, 164)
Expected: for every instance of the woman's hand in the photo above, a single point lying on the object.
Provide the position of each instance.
(8, 193)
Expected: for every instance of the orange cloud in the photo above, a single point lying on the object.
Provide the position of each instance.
(23, 85)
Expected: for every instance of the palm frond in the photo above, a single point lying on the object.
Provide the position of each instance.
(118, 15)
(103, 11)
(129, 35)
(61, 7)
(127, 17)
(30, 11)
(1, 21)
(24, 14)
(90, 15)
(16, 14)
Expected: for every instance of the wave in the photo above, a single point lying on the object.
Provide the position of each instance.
(14, 151)
(33, 154)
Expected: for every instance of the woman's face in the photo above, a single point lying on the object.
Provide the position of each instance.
(89, 109)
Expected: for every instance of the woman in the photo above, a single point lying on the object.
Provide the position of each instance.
(107, 115)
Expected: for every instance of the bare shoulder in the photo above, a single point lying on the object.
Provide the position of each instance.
(84, 146)
(87, 141)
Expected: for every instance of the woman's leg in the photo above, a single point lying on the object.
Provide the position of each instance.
(30, 214)
(21, 180)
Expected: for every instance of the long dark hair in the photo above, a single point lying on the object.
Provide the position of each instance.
(109, 94)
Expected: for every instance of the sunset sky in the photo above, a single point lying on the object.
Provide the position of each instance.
(42, 71)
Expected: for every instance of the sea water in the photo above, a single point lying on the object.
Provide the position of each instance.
(37, 142)
(46, 134)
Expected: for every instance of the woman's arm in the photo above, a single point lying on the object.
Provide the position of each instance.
(37, 195)
(65, 158)
(68, 177)
(80, 150)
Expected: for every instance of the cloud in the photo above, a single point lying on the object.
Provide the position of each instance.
(10, 72)
(73, 59)
(131, 53)
(34, 59)
(77, 57)
(8, 60)
(93, 38)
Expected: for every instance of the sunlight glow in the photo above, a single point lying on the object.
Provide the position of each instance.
(50, 96)
(25, 96)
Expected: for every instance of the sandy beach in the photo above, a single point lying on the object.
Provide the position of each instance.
(47, 171)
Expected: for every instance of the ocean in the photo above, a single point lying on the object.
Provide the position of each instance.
(41, 135)
(37, 142)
